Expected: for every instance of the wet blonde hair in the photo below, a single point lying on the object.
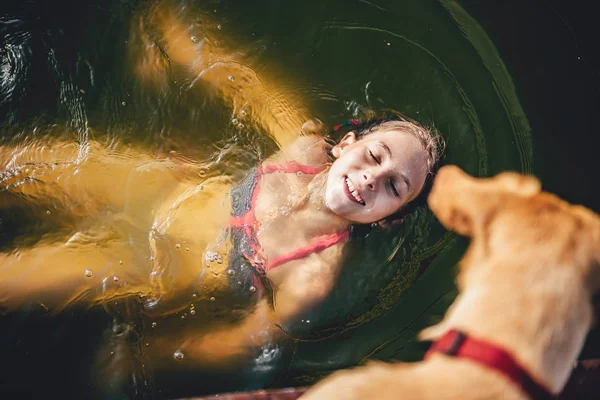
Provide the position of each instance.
(430, 139)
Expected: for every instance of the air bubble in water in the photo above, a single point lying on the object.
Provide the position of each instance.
(212, 299)
(230, 272)
(240, 126)
(89, 273)
(231, 78)
(121, 262)
(213, 256)
(192, 312)
(178, 355)
(123, 104)
(219, 27)
(48, 212)
(116, 278)
(154, 324)
(194, 39)
(243, 113)
(252, 289)
(234, 121)
(284, 210)
(177, 246)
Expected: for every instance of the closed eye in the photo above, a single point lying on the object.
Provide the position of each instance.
(374, 158)
(393, 187)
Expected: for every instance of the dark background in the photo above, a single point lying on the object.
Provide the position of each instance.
(551, 50)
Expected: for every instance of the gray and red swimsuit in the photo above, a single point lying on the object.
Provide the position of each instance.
(247, 257)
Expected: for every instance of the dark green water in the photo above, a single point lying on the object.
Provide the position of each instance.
(430, 59)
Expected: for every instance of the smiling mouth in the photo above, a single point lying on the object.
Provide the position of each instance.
(353, 193)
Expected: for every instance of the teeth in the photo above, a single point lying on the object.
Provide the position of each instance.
(350, 185)
(354, 192)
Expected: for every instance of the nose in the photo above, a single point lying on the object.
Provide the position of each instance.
(369, 180)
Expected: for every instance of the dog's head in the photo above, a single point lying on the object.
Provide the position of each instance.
(510, 219)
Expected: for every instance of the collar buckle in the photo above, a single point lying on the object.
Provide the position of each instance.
(459, 338)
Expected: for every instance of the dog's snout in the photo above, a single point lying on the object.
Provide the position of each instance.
(450, 173)
(448, 179)
(450, 190)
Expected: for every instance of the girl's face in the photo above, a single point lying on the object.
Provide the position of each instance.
(373, 177)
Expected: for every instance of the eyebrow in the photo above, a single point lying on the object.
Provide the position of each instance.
(408, 185)
(386, 148)
(389, 152)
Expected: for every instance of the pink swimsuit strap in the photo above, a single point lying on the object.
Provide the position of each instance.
(250, 225)
(290, 167)
(317, 245)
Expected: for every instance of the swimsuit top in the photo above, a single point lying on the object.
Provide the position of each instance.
(244, 225)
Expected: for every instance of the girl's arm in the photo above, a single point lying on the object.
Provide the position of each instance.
(268, 102)
(224, 344)
(298, 285)
(59, 175)
(302, 284)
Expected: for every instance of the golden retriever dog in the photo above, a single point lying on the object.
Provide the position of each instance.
(525, 305)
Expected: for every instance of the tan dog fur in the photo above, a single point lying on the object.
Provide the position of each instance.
(525, 284)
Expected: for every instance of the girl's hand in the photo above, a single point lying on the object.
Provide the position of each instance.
(314, 126)
(386, 224)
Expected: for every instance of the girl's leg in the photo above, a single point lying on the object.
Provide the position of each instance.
(86, 269)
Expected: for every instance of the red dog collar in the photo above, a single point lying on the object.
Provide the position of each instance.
(458, 344)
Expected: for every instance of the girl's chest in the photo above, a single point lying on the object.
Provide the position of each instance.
(282, 220)
(278, 195)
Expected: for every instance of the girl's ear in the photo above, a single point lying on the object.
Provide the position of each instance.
(348, 139)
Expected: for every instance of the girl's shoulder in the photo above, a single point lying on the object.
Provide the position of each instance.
(310, 150)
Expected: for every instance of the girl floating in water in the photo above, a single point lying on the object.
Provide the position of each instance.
(157, 245)
(148, 227)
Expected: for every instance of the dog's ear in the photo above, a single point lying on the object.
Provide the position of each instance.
(522, 185)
